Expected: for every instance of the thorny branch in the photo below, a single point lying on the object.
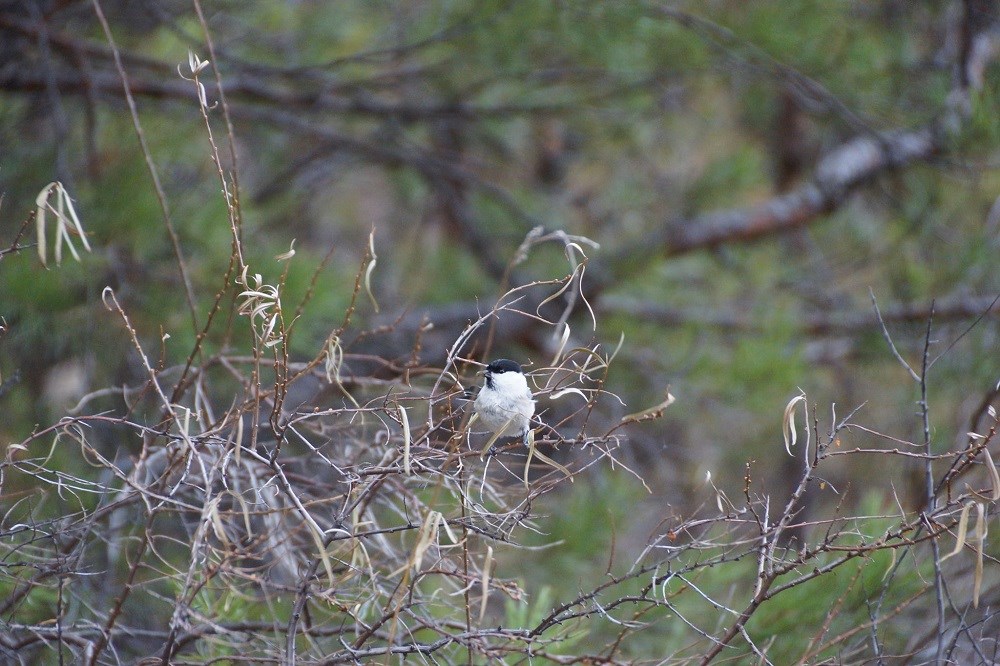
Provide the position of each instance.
(386, 539)
(327, 532)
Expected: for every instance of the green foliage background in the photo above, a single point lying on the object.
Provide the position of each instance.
(652, 123)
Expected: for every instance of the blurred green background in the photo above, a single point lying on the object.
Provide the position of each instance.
(451, 129)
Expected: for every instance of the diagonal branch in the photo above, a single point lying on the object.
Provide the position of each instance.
(838, 175)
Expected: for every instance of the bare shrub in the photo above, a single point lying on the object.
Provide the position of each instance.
(249, 506)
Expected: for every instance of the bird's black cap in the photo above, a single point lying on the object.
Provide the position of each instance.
(502, 365)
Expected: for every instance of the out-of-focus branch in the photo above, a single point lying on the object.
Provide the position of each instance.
(251, 89)
(818, 323)
(835, 178)
(838, 174)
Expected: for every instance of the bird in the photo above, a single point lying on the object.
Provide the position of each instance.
(505, 404)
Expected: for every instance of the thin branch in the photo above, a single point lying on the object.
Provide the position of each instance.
(888, 339)
(161, 195)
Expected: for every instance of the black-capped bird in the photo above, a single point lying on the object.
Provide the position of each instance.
(505, 404)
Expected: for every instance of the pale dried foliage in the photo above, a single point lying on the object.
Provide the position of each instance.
(65, 221)
(343, 510)
(337, 532)
(366, 522)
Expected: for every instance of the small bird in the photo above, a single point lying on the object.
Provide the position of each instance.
(504, 404)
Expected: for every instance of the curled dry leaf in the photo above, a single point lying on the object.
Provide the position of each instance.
(285, 256)
(788, 421)
(370, 269)
(994, 475)
(66, 222)
(195, 63)
(563, 339)
(494, 437)
(215, 520)
(980, 545)
(405, 421)
(108, 298)
(427, 535)
(485, 583)
(334, 359)
(963, 527)
(531, 454)
(534, 452)
(568, 391)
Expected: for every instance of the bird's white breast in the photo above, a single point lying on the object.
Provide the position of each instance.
(507, 406)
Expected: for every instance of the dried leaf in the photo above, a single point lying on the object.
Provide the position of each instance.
(239, 438)
(544, 458)
(788, 422)
(618, 347)
(451, 534)
(246, 511)
(567, 391)
(980, 545)
(963, 527)
(73, 217)
(216, 521)
(334, 359)
(560, 292)
(531, 454)
(196, 64)
(492, 440)
(485, 583)
(892, 564)
(358, 546)
(323, 555)
(66, 220)
(563, 339)
(994, 475)
(285, 256)
(370, 269)
(405, 420)
(41, 206)
(425, 537)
